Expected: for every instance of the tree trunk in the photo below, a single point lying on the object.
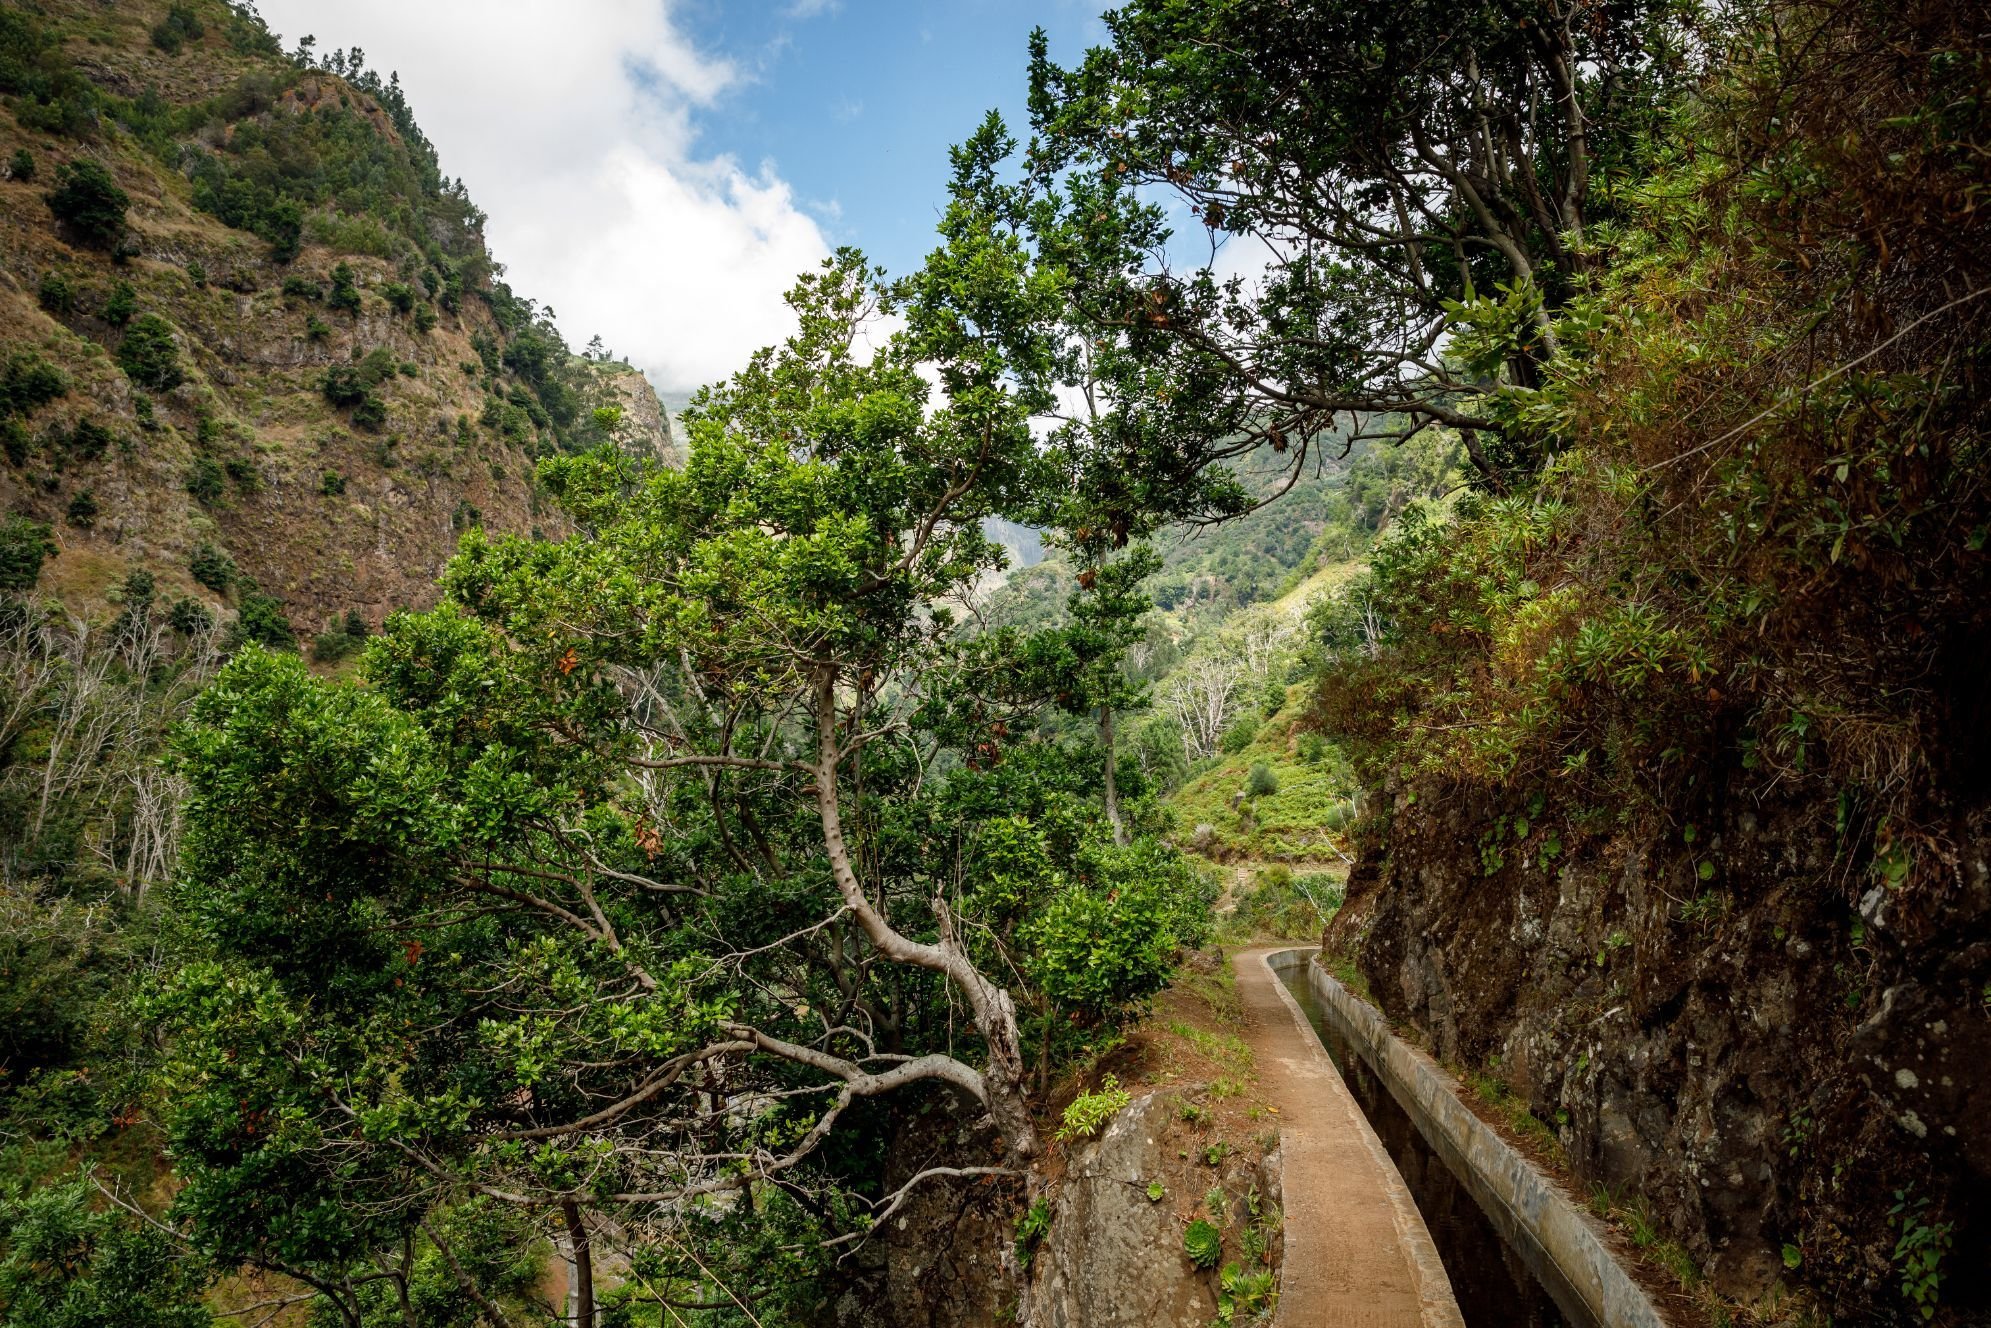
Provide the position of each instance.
(1112, 779)
(580, 1295)
(994, 1012)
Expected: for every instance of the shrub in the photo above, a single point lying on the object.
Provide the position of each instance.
(89, 440)
(332, 484)
(14, 440)
(302, 288)
(21, 166)
(378, 366)
(409, 369)
(121, 305)
(243, 471)
(334, 646)
(425, 319)
(315, 328)
(344, 385)
(86, 198)
(180, 26)
(1238, 736)
(1261, 782)
(189, 617)
(212, 568)
(282, 224)
(82, 511)
(345, 294)
(28, 382)
(196, 272)
(400, 295)
(205, 480)
(148, 354)
(24, 545)
(261, 619)
(370, 414)
(55, 294)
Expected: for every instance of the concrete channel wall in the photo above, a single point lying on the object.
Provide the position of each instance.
(1562, 1242)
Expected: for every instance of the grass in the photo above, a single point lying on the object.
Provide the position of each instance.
(1300, 823)
(1343, 969)
(1226, 1050)
(1494, 1092)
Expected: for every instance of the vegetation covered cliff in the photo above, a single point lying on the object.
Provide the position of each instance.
(254, 343)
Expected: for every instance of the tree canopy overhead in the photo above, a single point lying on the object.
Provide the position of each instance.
(1401, 173)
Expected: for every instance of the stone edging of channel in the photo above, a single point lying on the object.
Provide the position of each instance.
(1531, 1203)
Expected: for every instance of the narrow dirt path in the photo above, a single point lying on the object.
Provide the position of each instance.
(1357, 1253)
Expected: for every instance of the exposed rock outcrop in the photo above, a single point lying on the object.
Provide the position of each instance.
(1714, 1020)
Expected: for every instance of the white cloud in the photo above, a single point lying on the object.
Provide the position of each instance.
(571, 125)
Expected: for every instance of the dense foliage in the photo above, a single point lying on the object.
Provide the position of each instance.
(720, 794)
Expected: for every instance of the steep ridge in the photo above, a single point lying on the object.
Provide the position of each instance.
(292, 348)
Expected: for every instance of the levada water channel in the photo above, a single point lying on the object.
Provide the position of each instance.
(1497, 1282)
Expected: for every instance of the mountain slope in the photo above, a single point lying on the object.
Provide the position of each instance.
(338, 382)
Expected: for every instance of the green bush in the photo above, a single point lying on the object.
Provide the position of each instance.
(1261, 782)
(425, 318)
(260, 618)
(344, 385)
(180, 26)
(89, 440)
(149, 356)
(196, 272)
(21, 166)
(15, 441)
(244, 473)
(66, 1261)
(56, 294)
(24, 545)
(345, 294)
(302, 288)
(370, 414)
(315, 328)
(400, 295)
(206, 480)
(1239, 736)
(86, 198)
(28, 382)
(332, 484)
(189, 617)
(82, 511)
(121, 305)
(212, 568)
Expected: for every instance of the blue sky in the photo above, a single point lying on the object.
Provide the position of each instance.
(856, 104)
(659, 171)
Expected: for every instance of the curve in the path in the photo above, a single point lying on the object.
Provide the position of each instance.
(1357, 1252)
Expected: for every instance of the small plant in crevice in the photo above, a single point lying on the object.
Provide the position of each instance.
(1203, 1243)
(1089, 1111)
(1031, 1228)
(1246, 1297)
(1919, 1252)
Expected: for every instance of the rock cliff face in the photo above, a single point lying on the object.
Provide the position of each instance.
(1110, 1256)
(1711, 1018)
